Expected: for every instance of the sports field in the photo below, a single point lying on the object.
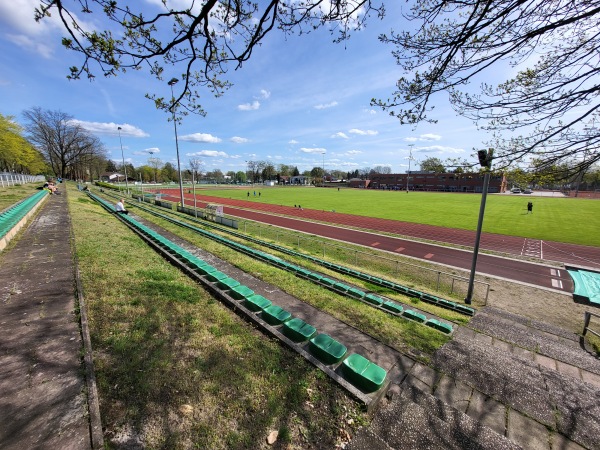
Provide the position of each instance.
(570, 220)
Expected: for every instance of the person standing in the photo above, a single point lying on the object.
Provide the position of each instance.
(529, 208)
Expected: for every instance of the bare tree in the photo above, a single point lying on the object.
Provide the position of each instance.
(552, 48)
(64, 144)
(202, 38)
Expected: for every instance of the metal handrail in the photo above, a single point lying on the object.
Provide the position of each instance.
(586, 323)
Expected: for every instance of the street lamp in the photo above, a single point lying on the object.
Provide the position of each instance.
(485, 160)
(123, 156)
(171, 83)
(409, 160)
(323, 153)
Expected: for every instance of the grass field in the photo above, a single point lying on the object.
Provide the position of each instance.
(554, 219)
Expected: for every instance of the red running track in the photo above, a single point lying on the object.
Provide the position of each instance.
(517, 270)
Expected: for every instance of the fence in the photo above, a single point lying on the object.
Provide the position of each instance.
(407, 273)
(586, 323)
(12, 179)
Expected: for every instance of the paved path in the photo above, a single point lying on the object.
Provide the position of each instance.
(42, 402)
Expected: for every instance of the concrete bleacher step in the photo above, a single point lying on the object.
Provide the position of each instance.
(415, 419)
(534, 337)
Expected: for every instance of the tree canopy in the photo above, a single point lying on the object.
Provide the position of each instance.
(196, 42)
(433, 165)
(16, 153)
(68, 148)
(547, 106)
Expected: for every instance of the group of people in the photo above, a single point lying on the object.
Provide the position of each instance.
(51, 186)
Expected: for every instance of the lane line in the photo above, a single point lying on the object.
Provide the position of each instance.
(428, 256)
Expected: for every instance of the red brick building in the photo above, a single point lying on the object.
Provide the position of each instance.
(440, 182)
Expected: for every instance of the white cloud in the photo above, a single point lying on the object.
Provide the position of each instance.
(363, 132)
(370, 111)
(249, 106)
(203, 138)
(110, 128)
(30, 44)
(209, 154)
(149, 151)
(239, 140)
(264, 94)
(339, 135)
(313, 150)
(424, 137)
(354, 152)
(430, 137)
(326, 105)
(293, 142)
(439, 149)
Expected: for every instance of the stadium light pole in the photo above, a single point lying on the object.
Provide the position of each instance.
(171, 83)
(485, 160)
(409, 160)
(323, 153)
(123, 157)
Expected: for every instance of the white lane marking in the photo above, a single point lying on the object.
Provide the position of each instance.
(557, 284)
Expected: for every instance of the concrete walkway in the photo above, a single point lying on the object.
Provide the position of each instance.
(43, 404)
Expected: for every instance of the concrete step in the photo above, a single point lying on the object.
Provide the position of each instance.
(547, 398)
(415, 419)
(530, 336)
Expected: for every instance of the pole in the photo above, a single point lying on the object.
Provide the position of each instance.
(486, 183)
(194, 188)
(409, 160)
(124, 166)
(323, 168)
(171, 83)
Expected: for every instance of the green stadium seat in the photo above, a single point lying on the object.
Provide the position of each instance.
(298, 330)
(315, 276)
(356, 293)
(328, 281)
(374, 299)
(241, 292)
(275, 315)
(392, 307)
(464, 309)
(227, 283)
(256, 302)
(440, 326)
(217, 275)
(363, 373)
(341, 287)
(327, 349)
(413, 315)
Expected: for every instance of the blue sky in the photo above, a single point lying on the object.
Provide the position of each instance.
(301, 101)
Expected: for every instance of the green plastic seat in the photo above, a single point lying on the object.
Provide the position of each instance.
(363, 373)
(392, 307)
(328, 281)
(374, 299)
(256, 302)
(341, 287)
(275, 315)
(298, 330)
(204, 268)
(356, 293)
(327, 349)
(440, 326)
(241, 292)
(315, 276)
(217, 275)
(413, 315)
(227, 283)
(464, 309)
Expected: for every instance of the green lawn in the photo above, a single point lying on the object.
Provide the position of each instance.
(554, 219)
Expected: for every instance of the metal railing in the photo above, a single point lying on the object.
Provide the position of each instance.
(419, 274)
(586, 323)
(12, 179)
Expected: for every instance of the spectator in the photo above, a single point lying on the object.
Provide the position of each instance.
(120, 207)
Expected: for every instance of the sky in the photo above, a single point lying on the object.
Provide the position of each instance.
(300, 100)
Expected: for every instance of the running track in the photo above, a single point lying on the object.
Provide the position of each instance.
(518, 270)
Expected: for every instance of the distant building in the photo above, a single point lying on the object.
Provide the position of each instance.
(359, 183)
(113, 177)
(440, 182)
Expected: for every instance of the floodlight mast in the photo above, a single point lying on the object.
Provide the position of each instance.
(171, 83)
(485, 160)
(123, 157)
